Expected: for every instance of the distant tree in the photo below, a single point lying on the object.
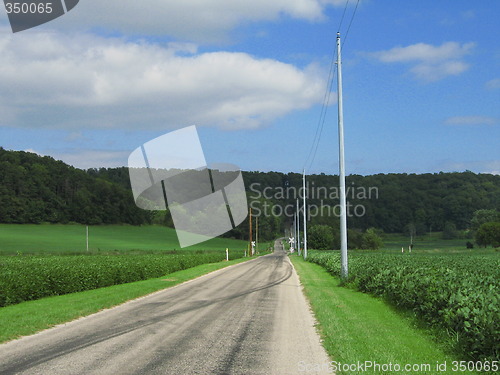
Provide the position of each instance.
(372, 240)
(320, 237)
(450, 231)
(488, 234)
(484, 216)
(469, 245)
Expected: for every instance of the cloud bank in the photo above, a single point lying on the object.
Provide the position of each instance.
(88, 81)
(191, 20)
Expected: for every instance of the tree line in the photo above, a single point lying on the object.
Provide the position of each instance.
(394, 203)
(36, 189)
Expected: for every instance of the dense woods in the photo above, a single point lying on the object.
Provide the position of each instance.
(36, 189)
(392, 202)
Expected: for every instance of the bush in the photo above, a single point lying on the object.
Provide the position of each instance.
(371, 240)
(320, 237)
(354, 239)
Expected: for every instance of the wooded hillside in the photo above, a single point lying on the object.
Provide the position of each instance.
(35, 189)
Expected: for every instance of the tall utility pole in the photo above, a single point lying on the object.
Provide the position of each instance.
(305, 214)
(298, 228)
(343, 212)
(250, 233)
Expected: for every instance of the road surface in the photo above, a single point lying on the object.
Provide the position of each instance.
(251, 318)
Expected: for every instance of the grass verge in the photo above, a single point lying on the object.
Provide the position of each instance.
(357, 328)
(30, 317)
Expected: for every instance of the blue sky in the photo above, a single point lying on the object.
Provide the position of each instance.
(421, 83)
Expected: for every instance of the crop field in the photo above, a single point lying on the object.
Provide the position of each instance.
(24, 278)
(458, 293)
(71, 239)
(38, 261)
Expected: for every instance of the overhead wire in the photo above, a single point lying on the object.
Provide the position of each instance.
(326, 99)
(350, 23)
(343, 15)
(322, 116)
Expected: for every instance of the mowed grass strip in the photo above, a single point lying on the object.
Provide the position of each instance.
(30, 317)
(356, 327)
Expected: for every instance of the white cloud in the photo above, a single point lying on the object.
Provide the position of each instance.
(89, 81)
(196, 20)
(425, 52)
(34, 151)
(435, 72)
(431, 63)
(484, 166)
(86, 158)
(471, 120)
(493, 84)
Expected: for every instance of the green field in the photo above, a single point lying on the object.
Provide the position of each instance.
(424, 243)
(48, 277)
(37, 261)
(358, 328)
(456, 293)
(71, 239)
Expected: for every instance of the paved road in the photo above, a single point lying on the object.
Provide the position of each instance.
(250, 318)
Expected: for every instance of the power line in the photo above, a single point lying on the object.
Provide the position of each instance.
(325, 103)
(350, 22)
(326, 99)
(343, 15)
(322, 116)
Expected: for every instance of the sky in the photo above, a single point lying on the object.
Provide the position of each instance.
(421, 83)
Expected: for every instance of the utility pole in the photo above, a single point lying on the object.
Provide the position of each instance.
(298, 228)
(305, 214)
(295, 230)
(257, 234)
(343, 212)
(250, 234)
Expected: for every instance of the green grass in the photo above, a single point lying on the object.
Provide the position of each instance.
(70, 238)
(432, 242)
(358, 327)
(29, 317)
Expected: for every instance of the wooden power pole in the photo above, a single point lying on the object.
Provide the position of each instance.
(251, 236)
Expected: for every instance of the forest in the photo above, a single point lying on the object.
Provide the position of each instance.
(391, 202)
(40, 189)
(36, 189)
